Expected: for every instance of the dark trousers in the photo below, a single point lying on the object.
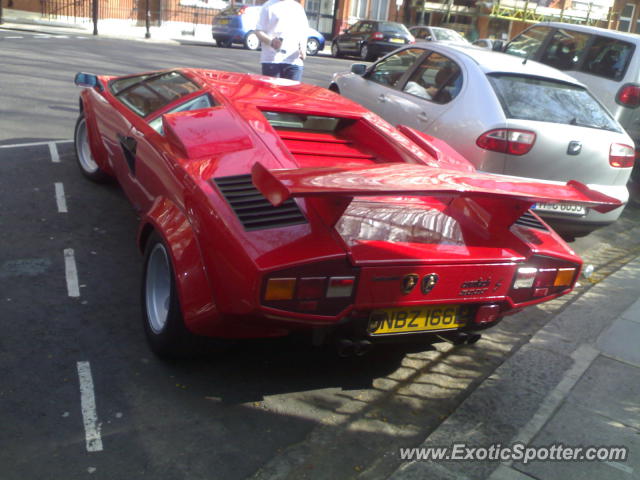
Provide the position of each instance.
(282, 70)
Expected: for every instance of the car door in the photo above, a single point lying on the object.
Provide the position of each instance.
(426, 93)
(373, 89)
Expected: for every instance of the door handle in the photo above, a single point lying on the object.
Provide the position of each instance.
(382, 98)
(423, 117)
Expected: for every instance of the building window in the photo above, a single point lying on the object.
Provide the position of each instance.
(624, 25)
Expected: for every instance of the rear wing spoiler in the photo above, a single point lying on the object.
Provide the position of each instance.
(335, 187)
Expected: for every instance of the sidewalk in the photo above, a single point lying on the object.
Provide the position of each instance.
(576, 383)
(168, 32)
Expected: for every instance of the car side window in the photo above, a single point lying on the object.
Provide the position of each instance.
(146, 94)
(390, 70)
(565, 49)
(421, 33)
(438, 79)
(528, 42)
(608, 57)
(366, 28)
(198, 103)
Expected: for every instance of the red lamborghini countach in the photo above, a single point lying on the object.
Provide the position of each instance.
(269, 206)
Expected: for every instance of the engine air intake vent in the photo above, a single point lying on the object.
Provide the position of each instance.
(530, 221)
(253, 210)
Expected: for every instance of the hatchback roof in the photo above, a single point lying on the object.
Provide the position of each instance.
(489, 61)
(629, 37)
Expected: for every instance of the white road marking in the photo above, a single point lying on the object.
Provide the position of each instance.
(60, 199)
(34, 144)
(620, 466)
(88, 406)
(53, 151)
(71, 272)
(13, 37)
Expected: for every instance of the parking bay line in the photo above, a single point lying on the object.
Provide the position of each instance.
(71, 273)
(35, 144)
(93, 439)
(60, 198)
(53, 151)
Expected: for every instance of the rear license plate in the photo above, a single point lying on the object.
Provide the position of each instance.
(566, 208)
(223, 21)
(396, 40)
(418, 319)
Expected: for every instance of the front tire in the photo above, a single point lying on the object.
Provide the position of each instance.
(251, 41)
(84, 156)
(313, 45)
(161, 313)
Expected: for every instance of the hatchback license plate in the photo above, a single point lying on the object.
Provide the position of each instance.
(566, 208)
(418, 319)
(396, 40)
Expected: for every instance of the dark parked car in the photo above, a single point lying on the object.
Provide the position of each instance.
(370, 39)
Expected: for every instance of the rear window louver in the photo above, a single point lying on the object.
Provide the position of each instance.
(254, 211)
(530, 221)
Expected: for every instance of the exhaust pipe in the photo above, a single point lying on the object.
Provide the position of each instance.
(362, 347)
(345, 348)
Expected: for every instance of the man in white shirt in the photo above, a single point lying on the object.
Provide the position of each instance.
(283, 30)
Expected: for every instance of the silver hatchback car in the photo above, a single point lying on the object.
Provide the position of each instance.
(506, 115)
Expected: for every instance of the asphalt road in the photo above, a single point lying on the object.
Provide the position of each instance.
(74, 366)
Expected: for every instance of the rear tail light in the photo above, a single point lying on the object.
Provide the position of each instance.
(307, 289)
(506, 140)
(543, 276)
(411, 39)
(621, 156)
(242, 10)
(377, 36)
(487, 314)
(629, 96)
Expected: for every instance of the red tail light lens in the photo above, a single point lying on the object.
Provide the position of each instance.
(621, 156)
(629, 96)
(411, 39)
(242, 10)
(377, 36)
(506, 140)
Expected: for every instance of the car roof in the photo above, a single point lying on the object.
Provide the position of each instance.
(629, 37)
(489, 61)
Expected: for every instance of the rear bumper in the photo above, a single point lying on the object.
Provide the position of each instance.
(227, 34)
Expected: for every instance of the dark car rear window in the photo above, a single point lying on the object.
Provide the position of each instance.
(545, 100)
(394, 28)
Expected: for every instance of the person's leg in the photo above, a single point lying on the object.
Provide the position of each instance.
(292, 72)
(271, 69)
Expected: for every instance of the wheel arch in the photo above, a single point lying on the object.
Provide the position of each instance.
(192, 284)
(98, 150)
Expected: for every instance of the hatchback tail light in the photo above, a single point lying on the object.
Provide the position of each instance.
(542, 277)
(621, 156)
(377, 36)
(411, 39)
(629, 95)
(507, 140)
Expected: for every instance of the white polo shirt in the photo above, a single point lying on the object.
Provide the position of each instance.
(285, 19)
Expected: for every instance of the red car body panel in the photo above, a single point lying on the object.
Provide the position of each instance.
(400, 178)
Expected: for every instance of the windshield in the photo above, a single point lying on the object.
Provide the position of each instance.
(545, 100)
(448, 35)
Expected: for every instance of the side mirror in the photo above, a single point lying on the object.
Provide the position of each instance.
(88, 80)
(498, 45)
(358, 68)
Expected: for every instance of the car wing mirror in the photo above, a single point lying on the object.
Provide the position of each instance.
(87, 80)
(498, 46)
(358, 68)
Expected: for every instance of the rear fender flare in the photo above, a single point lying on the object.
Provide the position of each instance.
(194, 291)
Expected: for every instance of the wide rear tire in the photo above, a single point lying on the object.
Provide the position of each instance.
(161, 313)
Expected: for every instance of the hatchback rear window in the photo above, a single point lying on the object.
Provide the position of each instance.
(394, 28)
(544, 100)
